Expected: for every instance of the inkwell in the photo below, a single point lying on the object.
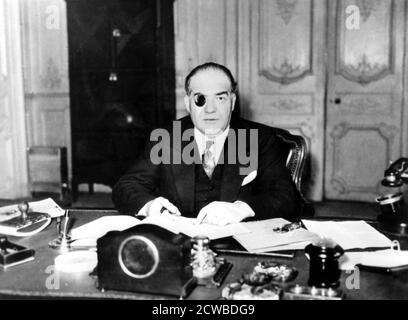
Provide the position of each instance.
(324, 266)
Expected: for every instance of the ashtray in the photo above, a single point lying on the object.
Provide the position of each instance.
(243, 291)
(265, 272)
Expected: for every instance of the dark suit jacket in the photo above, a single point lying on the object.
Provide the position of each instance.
(271, 194)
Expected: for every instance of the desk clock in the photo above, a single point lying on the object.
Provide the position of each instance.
(145, 258)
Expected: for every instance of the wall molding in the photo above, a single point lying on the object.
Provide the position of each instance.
(386, 132)
(287, 71)
(365, 71)
(13, 144)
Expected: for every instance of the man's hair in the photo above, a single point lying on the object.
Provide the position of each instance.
(210, 66)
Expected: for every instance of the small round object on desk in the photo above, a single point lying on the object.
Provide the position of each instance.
(324, 271)
(76, 261)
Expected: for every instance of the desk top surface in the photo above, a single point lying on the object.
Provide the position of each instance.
(37, 279)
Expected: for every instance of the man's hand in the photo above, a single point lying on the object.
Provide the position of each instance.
(159, 206)
(222, 213)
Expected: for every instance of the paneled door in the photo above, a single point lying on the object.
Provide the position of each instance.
(282, 71)
(364, 95)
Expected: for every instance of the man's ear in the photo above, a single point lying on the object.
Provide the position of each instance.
(234, 98)
(187, 103)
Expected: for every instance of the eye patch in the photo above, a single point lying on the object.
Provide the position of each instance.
(199, 100)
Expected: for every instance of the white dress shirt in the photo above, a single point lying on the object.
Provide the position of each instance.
(216, 148)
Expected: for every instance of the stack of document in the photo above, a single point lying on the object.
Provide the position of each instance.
(263, 238)
(87, 234)
(349, 234)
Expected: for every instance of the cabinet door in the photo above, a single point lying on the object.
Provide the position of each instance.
(134, 46)
(282, 72)
(89, 34)
(121, 82)
(364, 98)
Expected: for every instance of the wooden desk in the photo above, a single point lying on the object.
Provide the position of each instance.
(37, 279)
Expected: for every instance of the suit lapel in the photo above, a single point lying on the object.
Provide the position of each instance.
(231, 179)
(184, 173)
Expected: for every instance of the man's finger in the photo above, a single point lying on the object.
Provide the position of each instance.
(169, 206)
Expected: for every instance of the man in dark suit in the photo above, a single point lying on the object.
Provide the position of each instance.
(219, 186)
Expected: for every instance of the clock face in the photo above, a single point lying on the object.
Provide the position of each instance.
(138, 257)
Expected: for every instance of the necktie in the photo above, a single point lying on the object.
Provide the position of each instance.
(208, 159)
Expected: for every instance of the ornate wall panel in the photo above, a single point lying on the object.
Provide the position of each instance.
(46, 48)
(358, 152)
(364, 104)
(205, 30)
(364, 97)
(46, 73)
(404, 131)
(50, 116)
(13, 166)
(294, 104)
(285, 39)
(367, 54)
(285, 79)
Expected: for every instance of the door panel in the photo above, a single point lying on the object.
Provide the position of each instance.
(286, 73)
(364, 97)
(205, 30)
(46, 84)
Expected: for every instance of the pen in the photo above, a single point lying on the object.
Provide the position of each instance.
(202, 219)
(267, 254)
(66, 223)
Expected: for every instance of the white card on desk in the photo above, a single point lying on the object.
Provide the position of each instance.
(263, 238)
(47, 206)
(380, 259)
(349, 234)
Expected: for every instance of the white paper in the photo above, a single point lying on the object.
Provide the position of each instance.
(47, 206)
(189, 227)
(87, 234)
(349, 234)
(381, 258)
(99, 227)
(262, 238)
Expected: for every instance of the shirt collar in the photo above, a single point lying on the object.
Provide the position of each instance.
(201, 139)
